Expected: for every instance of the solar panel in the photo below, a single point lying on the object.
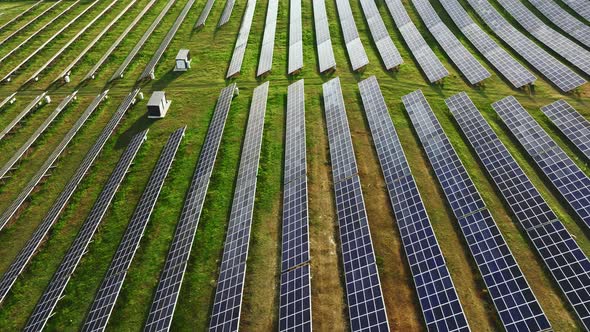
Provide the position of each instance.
(235, 64)
(25, 255)
(389, 53)
(569, 50)
(8, 100)
(24, 26)
(295, 37)
(473, 71)
(232, 271)
(164, 302)
(9, 165)
(438, 298)
(564, 20)
(511, 69)
(26, 111)
(356, 52)
(561, 255)
(20, 14)
(427, 60)
(268, 39)
(366, 308)
(111, 285)
(571, 182)
(119, 72)
(204, 14)
(556, 72)
(226, 14)
(515, 303)
(295, 297)
(571, 123)
(323, 41)
(581, 7)
(53, 293)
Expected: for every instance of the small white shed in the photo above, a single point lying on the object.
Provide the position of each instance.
(183, 60)
(158, 105)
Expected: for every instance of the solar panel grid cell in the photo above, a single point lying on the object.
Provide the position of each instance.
(204, 14)
(564, 20)
(295, 37)
(268, 39)
(581, 7)
(356, 52)
(226, 14)
(389, 53)
(31, 21)
(295, 300)
(26, 111)
(571, 123)
(235, 64)
(324, 43)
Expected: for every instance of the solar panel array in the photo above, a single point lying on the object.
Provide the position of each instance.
(561, 255)
(564, 20)
(27, 253)
(232, 271)
(53, 293)
(24, 41)
(235, 64)
(427, 60)
(438, 298)
(511, 69)
(556, 72)
(92, 72)
(356, 52)
(268, 39)
(24, 26)
(295, 297)
(226, 14)
(164, 302)
(30, 54)
(571, 123)
(111, 285)
(295, 37)
(30, 107)
(366, 308)
(8, 166)
(581, 7)
(473, 71)
(20, 14)
(119, 72)
(324, 42)
(204, 14)
(569, 50)
(515, 303)
(571, 182)
(389, 53)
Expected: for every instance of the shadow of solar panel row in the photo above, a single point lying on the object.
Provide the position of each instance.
(119, 72)
(30, 54)
(561, 255)
(67, 71)
(268, 39)
(232, 271)
(438, 297)
(515, 303)
(473, 71)
(166, 295)
(35, 103)
(111, 285)
(92, 72)
(323, 40)
(511, 69)
(25, 255)
(31, 21)
(569, 50)
(427, 60)
(571, 182)
(204, 14)
(581, 7)
(53, 293)
(571, 123)
(25, 147)
(20, 15)
(24, 41)
(356, 52)
(389, 53)
(295, 37)
(556, 72)
(226, 14)
(564, 20)
(235, 64)
(366, 308)
(295, 296)
(151, 66)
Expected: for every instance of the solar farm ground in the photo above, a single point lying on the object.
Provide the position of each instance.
(194, 94)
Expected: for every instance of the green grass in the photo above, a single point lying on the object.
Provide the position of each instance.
(194, 94)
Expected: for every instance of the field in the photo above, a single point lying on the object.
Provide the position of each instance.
(194, 94)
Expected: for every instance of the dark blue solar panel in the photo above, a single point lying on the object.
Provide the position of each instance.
(571, 123)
